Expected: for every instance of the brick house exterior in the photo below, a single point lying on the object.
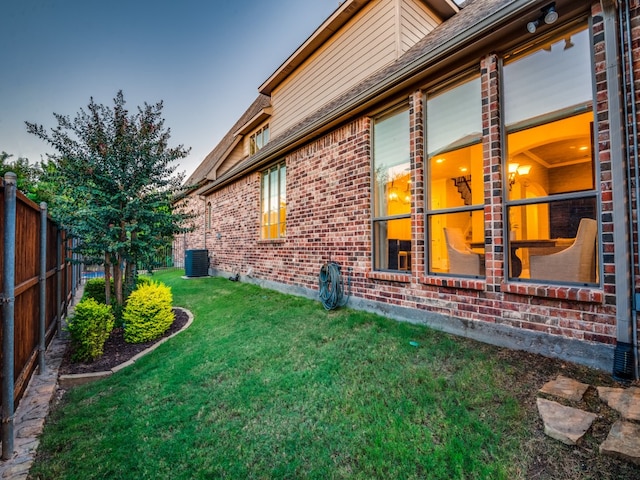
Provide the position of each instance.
(329, 196)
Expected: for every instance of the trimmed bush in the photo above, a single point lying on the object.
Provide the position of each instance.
(89, 329)
(94, 288)
(148, 313)
(142, 281)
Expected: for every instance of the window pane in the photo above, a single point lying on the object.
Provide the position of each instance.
(392, 187)
(259, 140)
(283, 201)
(457, 243)
(265, 205)
(552, 158)
(554, 241)
(553, 78)
(273, 203)
(393, 244)
(454, 117)
(265, 134)
(455, 162)
(456, 178)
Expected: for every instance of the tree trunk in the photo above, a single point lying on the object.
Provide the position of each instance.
(107, 278)
(117, 279)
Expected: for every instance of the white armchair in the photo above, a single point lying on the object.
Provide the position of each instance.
(462, 260)
(574, 264)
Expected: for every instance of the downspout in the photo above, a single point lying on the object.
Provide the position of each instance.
(629, 96)
(8, 313)
(623, 354)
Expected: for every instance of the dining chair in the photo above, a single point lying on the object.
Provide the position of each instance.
(573, 264)
(462, 260)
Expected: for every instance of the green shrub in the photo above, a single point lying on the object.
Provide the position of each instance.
(94, 288)
(89, 329)
(148, 313)
(142, 281)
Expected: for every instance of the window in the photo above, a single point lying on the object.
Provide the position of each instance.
(274, 202)
(455, 183)
(259, 139)
(549, 169)
(392, 192)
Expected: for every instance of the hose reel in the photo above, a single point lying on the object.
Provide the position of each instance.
(331, 286)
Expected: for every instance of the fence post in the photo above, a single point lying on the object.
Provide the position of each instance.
(43, 287)
(8, 306)
(74, 269)
(59, 280)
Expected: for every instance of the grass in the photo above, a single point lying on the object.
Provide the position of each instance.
(265, 385)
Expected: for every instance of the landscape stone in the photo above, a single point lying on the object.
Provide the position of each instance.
(565, 387)
(625, 400)
(566, 424)
(623, 442)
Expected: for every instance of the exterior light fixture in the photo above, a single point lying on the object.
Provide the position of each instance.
(548, 16)
(533, 26)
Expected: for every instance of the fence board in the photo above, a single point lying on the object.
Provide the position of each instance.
(27, 293)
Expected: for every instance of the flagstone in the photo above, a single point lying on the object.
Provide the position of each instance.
(623, 442)
(625, 400)
(566, 424)
(565, 387)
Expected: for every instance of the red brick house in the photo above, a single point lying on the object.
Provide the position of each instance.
(471, 167)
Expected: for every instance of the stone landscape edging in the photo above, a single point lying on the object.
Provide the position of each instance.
(73, 379)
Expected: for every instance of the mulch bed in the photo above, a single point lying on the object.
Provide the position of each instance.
(117, 351)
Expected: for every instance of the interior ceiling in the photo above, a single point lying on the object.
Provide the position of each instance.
(562, 152)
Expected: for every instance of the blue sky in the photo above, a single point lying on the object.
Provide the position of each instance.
(204, 59)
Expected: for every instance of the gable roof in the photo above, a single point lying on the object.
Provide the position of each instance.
(229, 141)
(476, 25)
(345, 12)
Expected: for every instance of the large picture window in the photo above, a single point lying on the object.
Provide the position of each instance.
(274, 202)
(549, 170)
(392, 192)
(455, 185)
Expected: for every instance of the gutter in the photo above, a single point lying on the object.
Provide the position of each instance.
(387, 87)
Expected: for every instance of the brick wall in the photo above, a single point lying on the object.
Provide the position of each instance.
(329, 218)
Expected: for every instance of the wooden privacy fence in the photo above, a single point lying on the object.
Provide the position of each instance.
(37, 283)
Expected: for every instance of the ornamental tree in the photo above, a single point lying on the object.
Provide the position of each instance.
(116, 175)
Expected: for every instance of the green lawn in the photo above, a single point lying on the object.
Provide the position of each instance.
(265, 385)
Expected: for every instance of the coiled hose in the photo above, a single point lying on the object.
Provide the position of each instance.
(332, 286)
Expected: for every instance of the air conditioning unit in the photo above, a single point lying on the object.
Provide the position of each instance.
(196, 263)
